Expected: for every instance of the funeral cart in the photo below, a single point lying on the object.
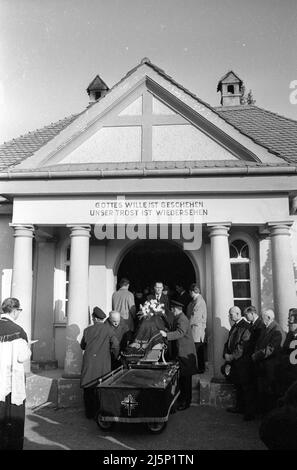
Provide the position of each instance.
(141, 393)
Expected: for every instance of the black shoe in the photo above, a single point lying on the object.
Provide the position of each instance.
(183, 406)
(234, 409)
(249, 417)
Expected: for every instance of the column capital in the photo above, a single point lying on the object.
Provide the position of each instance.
(219, 229)
(23, 230)
(279, 228)
(79, 230)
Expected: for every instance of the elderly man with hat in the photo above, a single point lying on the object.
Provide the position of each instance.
(186, 352)
(286, 369)
(98, 343)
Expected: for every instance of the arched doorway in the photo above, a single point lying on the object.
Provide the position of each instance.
(153, 260)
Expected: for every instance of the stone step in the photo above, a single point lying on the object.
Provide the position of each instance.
(50, 387)
(37, 366)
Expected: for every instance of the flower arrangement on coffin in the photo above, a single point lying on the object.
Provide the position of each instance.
(150, 308)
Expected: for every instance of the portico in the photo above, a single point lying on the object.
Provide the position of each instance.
(147, 160)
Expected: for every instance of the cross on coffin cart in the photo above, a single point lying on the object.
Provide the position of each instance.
(142, 393)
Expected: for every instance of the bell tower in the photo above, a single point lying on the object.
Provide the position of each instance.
(231, 88)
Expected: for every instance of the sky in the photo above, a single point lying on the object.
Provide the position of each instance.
(50, 50)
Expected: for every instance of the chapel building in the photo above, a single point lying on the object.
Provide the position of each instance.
(151, 183)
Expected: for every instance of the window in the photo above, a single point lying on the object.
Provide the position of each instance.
(240, 271)
(230, 89)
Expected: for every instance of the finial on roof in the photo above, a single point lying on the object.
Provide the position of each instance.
(145, 60)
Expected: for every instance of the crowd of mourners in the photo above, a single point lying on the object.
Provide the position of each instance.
(261, 361)
(259, 358)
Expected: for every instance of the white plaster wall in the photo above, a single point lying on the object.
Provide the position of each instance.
(109, 144)
(185, 142)
(134, 108)
(98, 278)
(43, 311)
(6, 256)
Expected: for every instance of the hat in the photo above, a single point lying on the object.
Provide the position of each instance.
(98, 313)
(175, 303)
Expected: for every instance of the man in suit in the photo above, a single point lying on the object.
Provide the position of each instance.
(235, 353)
(162, 299)
(186, 353)
(183, 296)
(123, 301)
(197, 314)
(98, 344)
(265, 357)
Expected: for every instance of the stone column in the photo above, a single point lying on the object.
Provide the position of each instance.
(22, 274)
(22, 277)
(222, 290)
(284, 291)
(78, 301)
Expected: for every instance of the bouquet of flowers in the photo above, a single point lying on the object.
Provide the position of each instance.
(150, 308)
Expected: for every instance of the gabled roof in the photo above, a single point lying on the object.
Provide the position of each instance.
(275, 133)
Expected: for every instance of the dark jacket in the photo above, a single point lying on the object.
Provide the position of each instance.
(256, 330)
(285, 369)
(185, 299)
(120, 332)
(186, 352)
(269, 343)
(98, 343)
(237, 342)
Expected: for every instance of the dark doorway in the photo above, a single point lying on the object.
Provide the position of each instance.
(151, 261)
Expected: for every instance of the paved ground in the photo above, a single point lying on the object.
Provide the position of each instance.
(199, 428)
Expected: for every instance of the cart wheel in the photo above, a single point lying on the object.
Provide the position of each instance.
(104, 425)
(156, 428)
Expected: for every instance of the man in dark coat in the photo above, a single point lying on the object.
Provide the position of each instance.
(186, 353)
(286, 367)
(98, 343)
(256, 329)
(182, 296)
(119, 329)
(235, 353)
(265, 357)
